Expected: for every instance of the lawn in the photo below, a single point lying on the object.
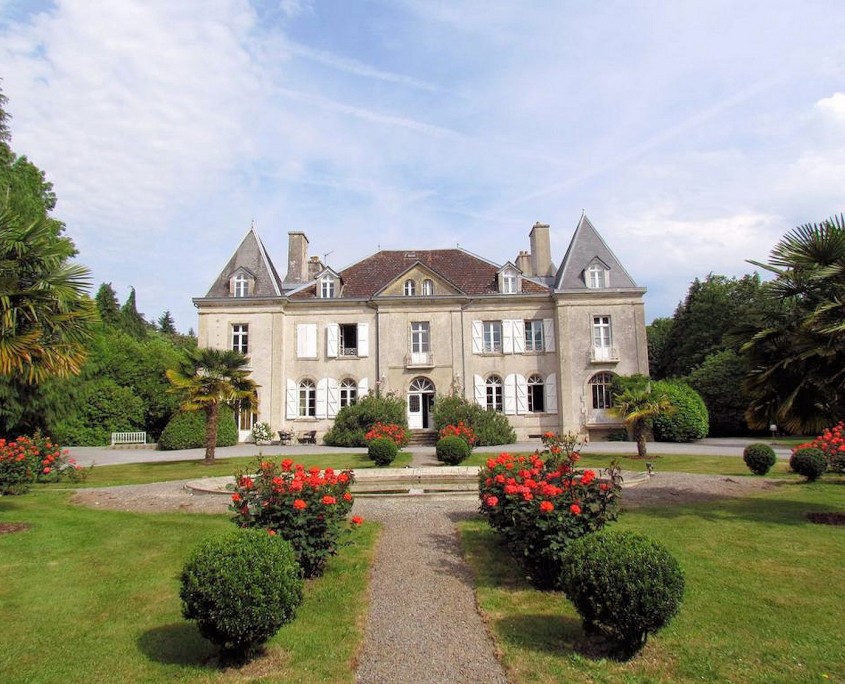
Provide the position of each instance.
(161, 471)
(763, 598)
(92, 595)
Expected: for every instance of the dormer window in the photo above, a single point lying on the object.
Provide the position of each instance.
(596, 276)
(240, 285)
(410, 288)
(509, 283)
(428, 288)
(327, 287)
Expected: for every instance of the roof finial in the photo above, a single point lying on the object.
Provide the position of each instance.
(252, 224)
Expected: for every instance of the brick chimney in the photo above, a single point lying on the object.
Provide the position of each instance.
(541, 250)
(297, 258)
(314, 267)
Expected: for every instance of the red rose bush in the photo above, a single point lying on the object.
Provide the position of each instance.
(306, 507)
(832, 444)
(35, 459)
(540, 505)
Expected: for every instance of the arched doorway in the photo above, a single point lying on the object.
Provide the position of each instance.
(420, 404)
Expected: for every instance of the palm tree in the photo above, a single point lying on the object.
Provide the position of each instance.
(638, 406)
(45, 313)
(208, 378)
(796, 350)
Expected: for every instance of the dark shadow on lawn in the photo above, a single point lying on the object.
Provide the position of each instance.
(178, 643)
(554, 634)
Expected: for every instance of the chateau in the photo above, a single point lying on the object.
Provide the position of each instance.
(539, 343)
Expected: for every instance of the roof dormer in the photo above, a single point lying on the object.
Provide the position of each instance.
(597, 274)
(328, 284)
(509, 279)
(241, 283)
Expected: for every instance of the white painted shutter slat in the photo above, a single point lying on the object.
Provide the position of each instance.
(519, 337)
(521, 394)
(551, 393)
(477, 329)
(333, 402)
(480, 394)
(332, 340)
(549, 334)
(311, 346)
(322, 397)
(363, 388)
(510, 394)
(363, 339)
(291, 408)
(301, 340)
(507, 337)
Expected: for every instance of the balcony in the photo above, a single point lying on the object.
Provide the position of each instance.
(604, 354)
(419, 360)
(348, 351)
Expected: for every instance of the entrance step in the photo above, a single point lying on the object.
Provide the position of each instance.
(422, 437)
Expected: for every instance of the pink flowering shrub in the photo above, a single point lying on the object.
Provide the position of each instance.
(308, 508)
(35, 459)
(538, 506)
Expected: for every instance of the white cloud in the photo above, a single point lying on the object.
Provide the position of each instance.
(833, 106)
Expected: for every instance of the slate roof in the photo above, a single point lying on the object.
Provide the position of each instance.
(468, 273)
(586, 246)
(252, 256)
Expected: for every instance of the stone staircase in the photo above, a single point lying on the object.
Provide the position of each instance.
(422, 437)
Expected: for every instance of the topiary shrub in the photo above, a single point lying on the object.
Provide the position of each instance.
(759, 458)
(240, 588)
(186, 430)
(689, 419)
(623, 584)
(490, 427)
(809, 462)
(382, 451)
(452, 450)
(354, 421)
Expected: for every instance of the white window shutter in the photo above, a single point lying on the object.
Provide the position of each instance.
(291, 405)
(333, 402)
(510, 394)
(477, 330)
(363, 339)
(363, 387)
(518, 337)
(311, 346)
(507, 338)
(521, 394)
(332, 340)
(322, 397)
(301, 340)
(480, 393)
(551, 393)
(549, 334)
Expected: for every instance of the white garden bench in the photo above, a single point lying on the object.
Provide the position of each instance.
(128, 438)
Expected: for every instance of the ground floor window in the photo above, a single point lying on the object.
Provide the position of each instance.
(307, 399)
(600, 386)
(536, 394)
(494, 393)
(348, 392)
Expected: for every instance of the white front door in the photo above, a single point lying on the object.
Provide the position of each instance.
(415, 411)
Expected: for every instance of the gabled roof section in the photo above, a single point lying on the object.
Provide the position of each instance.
(418, 267)
(468, 273)
(509, 266)
(585, 248)
(251, 256)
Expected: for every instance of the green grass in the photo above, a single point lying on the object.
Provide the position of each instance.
(162, 471)
(763, 597)
(92, 596)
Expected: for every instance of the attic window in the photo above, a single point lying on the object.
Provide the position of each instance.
(327, 287)
(428, 288)
(596, 276)
(240, 285)
(410, 288)
(509, 282)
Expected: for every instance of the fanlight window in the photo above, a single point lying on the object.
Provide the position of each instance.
(240, 286)
(410, 288)
(423, 385)
(428, 287)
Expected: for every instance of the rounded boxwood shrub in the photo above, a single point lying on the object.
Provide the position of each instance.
(759, 458)
(186, 430)
(491, 427)
(382, 451)
(240, 587)
(623, 584)
(688, 421)
(809, 462)
(452, 450)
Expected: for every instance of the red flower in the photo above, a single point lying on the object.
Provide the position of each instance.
(492, 501)
(236, 498)
(575, 509)
(299, 504)
(286, 464)
(347, 496)
(272, 533)
(357, 520)
(547, 506)
(329, 500)
(46, 470)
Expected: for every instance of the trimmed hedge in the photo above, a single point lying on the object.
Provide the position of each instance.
(240, 587)
(382, 451)
(809, 462)
(759, 458)
(623, 584)
(689, 420)
(186, 430)
(354, 421)
(452, 450)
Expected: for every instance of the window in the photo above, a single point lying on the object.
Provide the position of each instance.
(327, 287)
(348, 339)
(600, 386)
(601, 332)
(492, 337)
(534, 336)
(536, 394)
(240, 338)
(428, 287)
(494, 393)
(410, 288)
(509, 283)
(596, 276)
(307, 399)
(348, 392)
(420, 337)
(241, 286)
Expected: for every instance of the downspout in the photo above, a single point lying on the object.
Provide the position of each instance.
(372, 305)
(463, 352)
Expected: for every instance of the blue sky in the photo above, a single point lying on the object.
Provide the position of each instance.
(693, 134)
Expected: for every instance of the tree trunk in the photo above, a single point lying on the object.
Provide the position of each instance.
(639, 435)
(211, 414)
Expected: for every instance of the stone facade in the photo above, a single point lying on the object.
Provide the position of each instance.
(537, 342)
